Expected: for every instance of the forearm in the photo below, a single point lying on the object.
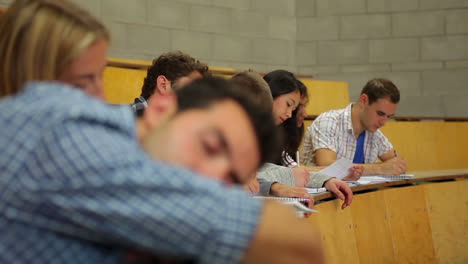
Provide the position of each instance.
(318, 179)
(373, 169)
(270, 246)
(275, 173)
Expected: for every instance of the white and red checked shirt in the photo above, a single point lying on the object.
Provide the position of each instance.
(333, 130)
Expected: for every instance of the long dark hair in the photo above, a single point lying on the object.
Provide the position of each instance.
(292, 133)
(281, 82)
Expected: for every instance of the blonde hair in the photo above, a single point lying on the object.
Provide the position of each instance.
(256, 86)
(40, 38)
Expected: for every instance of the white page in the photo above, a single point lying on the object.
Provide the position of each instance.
(316, 190)
(339, 168)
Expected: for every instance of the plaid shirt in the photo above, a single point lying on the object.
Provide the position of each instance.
(75, 187)
(333, 130)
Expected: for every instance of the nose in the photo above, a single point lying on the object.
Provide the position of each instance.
(218, 168)
(383, 120)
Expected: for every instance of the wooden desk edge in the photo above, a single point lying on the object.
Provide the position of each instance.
(381, 185)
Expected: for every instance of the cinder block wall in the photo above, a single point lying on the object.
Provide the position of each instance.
(422, 45)
(242, 34)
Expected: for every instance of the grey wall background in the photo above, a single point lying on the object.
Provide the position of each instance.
(422, 45)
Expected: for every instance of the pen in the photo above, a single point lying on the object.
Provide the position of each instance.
(297, 158)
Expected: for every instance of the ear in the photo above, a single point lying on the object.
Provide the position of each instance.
(364, 99)
(160, 109)
(163, 85)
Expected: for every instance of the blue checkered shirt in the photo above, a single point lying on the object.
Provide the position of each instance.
(76, 188)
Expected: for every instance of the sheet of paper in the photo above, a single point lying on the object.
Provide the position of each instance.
(339, 168)
(316, 190)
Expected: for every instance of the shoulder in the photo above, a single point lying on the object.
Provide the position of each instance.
(55, 102)
(331, 115)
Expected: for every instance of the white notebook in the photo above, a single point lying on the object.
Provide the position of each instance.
(367, 179)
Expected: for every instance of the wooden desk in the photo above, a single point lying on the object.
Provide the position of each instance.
(422, 220)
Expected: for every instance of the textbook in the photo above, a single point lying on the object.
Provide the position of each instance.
(299, 204)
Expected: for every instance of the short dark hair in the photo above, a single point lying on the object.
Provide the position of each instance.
(253, 83)
(281, 82)
(203, 93)
(379, 88)
(173, 65)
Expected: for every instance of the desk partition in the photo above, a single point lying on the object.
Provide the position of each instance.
(422, 220)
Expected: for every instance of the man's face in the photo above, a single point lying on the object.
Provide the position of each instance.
(218, 142)
(377, 114)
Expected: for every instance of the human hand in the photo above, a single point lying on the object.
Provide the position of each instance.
(355, 173)
(394, 166)
(281, 190)
(341, 190)
(301, 176)
(252, 186)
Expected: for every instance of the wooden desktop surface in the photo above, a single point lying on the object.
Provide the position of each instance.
(419, 176)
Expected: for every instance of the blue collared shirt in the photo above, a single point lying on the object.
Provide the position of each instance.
(75, 187)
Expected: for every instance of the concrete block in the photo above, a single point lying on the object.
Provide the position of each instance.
(281, 27)
(93, 6)
(195, 2)
(340, 7)
(314, 70)
(306, 53)
(262, 68)
(246, 23)
(290, 68)
(436, 4)
(407, 82)
(126, 54)
(147, 39)
(417, 66)
(418, 24)
(455, 105)
(197, 44)
(375, 6)
(271, 51)
(169, 14)
(462, 64)
(445, 48)
(457, 21)
(426, 105)
(343, 52)
(236, 5)
(321, 28)
(305, 8)
(274, 7)
(365, 26)
(118, 33)
(229, 48)
(394, 50)
(366, 68)
(210, 19)
(446, 82)
(121, 11)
